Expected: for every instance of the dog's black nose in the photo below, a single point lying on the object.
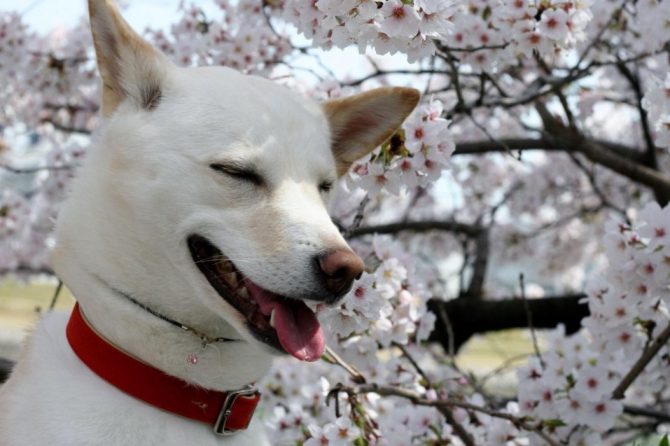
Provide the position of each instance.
(339, 267)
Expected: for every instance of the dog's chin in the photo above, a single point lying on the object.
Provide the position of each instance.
(286, 325)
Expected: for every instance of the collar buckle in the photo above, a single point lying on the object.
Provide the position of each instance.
(247, 396)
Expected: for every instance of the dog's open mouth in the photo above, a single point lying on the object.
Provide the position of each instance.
(279, 321)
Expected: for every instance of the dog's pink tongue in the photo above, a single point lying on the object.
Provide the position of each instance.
(298, 329)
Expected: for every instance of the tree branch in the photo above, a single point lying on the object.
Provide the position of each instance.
(486, 146)
(657, 181)
(523, 423)
(418, 226)
(570, 138)
(650, 159)
(473, 316)
(479, 266)
(28, 170)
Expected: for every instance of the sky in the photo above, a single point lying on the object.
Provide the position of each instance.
(44, 15)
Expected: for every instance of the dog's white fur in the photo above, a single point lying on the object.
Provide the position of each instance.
(145, 187)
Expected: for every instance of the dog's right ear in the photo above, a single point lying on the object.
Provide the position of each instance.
(129, 66)
(361, 122)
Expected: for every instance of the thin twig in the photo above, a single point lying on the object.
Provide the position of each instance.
(379, 73)
(412, 361)
(490, 136)
(601, 31)
(67, 128)
(529, 316)
(591, 176)
(358, 219)
(59, 287)
(646, 412)
(444, 317)
(356, 376)
(462, 433)
(641, 363)
(506, 197)
(473, 49)
(506, 364)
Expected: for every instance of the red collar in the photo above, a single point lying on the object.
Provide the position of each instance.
(227, 412)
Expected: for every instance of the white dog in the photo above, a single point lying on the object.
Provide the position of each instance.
(193, 235)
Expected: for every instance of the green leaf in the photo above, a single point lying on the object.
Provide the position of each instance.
(664, 441)
(553, 423)
(360, 441)
(487, 13)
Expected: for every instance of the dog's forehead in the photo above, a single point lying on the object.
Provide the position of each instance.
(249, 116)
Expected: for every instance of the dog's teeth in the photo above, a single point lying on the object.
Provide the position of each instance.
(243, 293)
(272, 318)
(231, 278)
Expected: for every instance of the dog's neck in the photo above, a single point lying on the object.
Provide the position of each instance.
(177, 352)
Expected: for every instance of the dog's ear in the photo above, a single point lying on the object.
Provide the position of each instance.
(362, 122)
(129, 66)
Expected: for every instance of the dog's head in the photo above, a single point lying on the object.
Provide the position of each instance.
(222, 179)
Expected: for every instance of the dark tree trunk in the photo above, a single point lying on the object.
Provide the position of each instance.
(472, 316)
(5, 369)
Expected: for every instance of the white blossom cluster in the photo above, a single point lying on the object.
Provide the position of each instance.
(415, 157)
(572, 383)
(388, 305)
(46, 79)
(13, 46)
(503, 30)
(377, 420)
(652, 18)
(239, 39)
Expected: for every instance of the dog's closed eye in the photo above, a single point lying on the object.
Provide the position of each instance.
(244, 173)
(325, 186)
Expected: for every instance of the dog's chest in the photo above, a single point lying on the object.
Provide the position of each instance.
(52, 398)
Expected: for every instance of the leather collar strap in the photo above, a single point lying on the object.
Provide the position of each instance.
(228, 412)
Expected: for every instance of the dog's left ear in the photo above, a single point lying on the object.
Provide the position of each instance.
(129, 66)
(360, 123)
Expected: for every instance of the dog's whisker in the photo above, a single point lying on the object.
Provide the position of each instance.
(223, 257)
(227, 260)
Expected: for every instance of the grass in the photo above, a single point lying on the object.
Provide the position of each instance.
(21, 304)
